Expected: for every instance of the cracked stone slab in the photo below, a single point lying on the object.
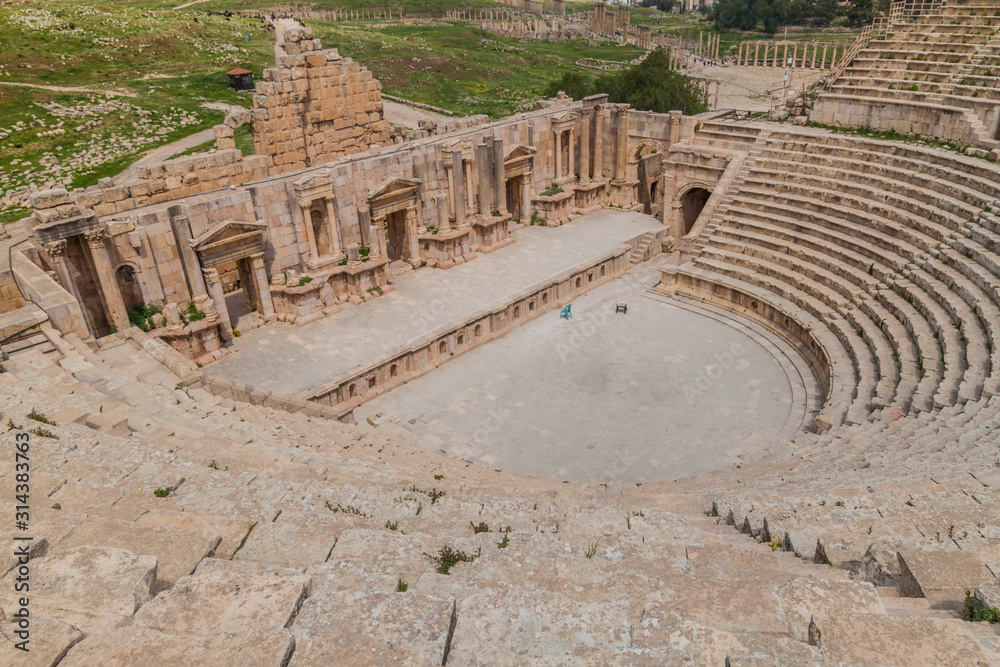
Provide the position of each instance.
(92, 588)
(133, 646)
(50, 640)
(372, 627)
(218, 601)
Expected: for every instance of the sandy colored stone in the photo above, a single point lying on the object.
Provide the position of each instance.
(517, 627)
(177, 551)
(286, 544)
(49, 642)
(94, 588)
(222, 601)
(231, 530)
(135, 646)
(926, 573)
(369, 628)
(917, 641)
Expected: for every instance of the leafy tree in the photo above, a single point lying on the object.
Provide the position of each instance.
(575, 84)
(860, 13)
(649, 86)
(662, 5)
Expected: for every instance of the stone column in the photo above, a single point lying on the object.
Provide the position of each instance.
(214, 285)
(598, 143)
(621, 151)
(458, 174)
(114, 304)
(485, 178)
(499, 181)
(718, 91)
(469, 190)
(56, 251)
(526, 197)
(412, 245)
(558, 154)
(572, 155)
(263, 287)
(444, 224)
(331, 220)
(585, 146)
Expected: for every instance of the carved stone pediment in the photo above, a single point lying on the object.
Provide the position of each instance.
(227, 232)
(563, 121)
(314, 186)
(394, 187)
(518, 152)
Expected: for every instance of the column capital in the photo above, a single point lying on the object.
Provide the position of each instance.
(95, 238)
(56, 250)
(257, 261)
(622, 110)
(211, 275)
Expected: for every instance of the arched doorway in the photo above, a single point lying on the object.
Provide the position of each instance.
(692, 204)
(128, 285)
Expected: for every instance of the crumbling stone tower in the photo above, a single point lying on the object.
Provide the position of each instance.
(312, 107)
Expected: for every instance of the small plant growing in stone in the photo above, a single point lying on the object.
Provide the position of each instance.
(39, 417)
(191, 313)
(161, 493)
(349, 509)
(236, 332)
(448, 558)
(439, 477)
(305, 280)
(11, 426)
(43, 433)
(481, 527)
(591, 549)
(978, 612)
(420, 508)
(401, 586)
(392, 525)
(213, 465)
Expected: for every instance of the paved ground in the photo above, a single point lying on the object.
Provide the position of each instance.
(746, 87)
(407, 116)
(289, 359)
(664, 391)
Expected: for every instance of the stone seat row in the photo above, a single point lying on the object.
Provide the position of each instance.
(259, 601)
(943, 321)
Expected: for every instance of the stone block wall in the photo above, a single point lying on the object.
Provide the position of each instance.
(10, 297)
(314, 106)
(175, 179)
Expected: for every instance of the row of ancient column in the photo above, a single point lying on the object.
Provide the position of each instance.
(750, 54)
(593, 169)
(708, 47)
(478, 14)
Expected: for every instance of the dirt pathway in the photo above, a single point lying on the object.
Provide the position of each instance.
(69, 89)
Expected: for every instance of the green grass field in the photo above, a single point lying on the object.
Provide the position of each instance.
(461, 68)
(168, 63)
